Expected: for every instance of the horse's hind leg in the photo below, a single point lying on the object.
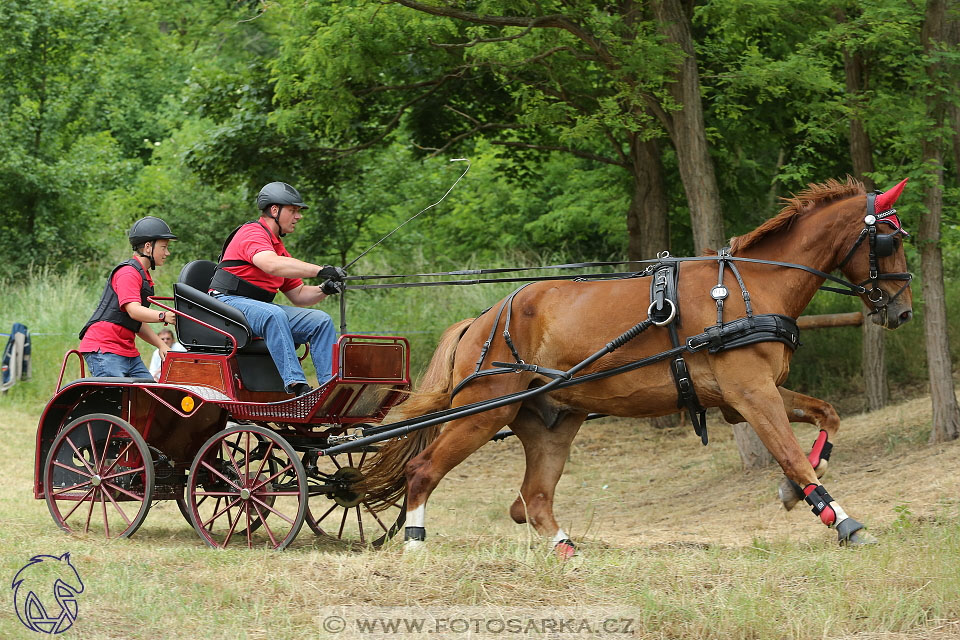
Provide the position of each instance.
(760, 407)
(546, 450)
(801, 408)
(458, 440)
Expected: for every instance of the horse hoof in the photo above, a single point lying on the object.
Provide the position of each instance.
(565, 550)
(788, 494)
(860, 538)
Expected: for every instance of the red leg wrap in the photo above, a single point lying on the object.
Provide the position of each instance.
(816, 453)
(565, 549)
(820, 500)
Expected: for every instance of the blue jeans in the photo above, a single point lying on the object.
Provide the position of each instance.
(283, 328)
(112, 365)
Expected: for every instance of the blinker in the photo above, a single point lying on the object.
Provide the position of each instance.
(885, 244)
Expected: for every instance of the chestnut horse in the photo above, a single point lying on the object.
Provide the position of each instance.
(558, 324)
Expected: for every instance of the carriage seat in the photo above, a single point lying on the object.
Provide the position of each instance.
(257, 369)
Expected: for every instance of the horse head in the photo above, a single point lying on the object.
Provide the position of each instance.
(876, 261)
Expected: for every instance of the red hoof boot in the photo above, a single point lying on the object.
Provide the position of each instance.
(565, 549)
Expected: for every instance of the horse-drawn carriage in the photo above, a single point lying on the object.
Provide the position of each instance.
(243, 459)
(219, 435)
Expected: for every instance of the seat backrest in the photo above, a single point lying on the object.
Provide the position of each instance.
(198, 274)
(196, 337)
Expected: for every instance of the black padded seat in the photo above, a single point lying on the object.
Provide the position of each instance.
(257, 369)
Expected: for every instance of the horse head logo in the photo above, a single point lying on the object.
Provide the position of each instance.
(43, 581)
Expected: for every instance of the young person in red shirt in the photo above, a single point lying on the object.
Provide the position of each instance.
(255, 265)
(107, 340)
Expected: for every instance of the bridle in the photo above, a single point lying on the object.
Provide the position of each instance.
(881, 245)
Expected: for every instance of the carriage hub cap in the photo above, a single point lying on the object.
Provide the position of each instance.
(95, 480)
(245, 494)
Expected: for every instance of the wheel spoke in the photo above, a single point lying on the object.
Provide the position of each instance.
(80, 456)
(217, 514)
(122, 514)
(93, 447)
(273, 477)
(119, 457)
(213, 493)
(106, 443)
(266, 526)
(360, 524)
(264, 461)
(75, 470)
(376, 517)
(343, 522)
(246, 470)
(66, 489)
(233, 526)
(106, 521)
(138, 498)
(79, 502)
(222, 477)
(123, 473)
(223, 445)
(271, 509)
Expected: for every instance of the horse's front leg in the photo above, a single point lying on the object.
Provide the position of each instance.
(801, 408)
(763, 409)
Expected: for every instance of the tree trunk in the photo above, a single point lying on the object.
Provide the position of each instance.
(753, 453)
(647, 223)
(873, 361)
(946, 413)
(688, 132)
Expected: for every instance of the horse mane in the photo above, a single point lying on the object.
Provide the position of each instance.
(813, 197)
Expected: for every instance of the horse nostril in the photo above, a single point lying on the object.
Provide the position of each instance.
(906, 316)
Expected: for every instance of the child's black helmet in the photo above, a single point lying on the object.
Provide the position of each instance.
(149, 228)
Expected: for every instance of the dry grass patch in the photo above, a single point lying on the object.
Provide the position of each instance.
(673, 537)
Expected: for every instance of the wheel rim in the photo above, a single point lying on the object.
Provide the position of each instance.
(341, 512)
(247, 487)
(98, 477)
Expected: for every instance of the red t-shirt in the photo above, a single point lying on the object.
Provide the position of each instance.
(250, 240)
(112, 338)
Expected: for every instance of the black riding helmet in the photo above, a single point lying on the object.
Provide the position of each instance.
(279, 193)
(148, 229)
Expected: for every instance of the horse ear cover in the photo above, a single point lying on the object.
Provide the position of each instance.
(886, 200)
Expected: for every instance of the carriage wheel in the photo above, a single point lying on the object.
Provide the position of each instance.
(342, 512)
(98, 477)
(247, 486)
(183, 498)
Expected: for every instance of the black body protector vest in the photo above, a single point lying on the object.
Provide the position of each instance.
(229, 283)
(109, 308)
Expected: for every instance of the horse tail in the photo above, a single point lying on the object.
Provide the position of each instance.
(385, 481)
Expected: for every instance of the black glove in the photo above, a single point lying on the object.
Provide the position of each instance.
(333, 273)
(331, 287)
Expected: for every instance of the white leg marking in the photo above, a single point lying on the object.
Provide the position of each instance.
(561, 535)
(415, 518)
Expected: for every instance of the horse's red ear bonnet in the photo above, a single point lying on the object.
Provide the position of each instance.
(886, 199)
(885, 202)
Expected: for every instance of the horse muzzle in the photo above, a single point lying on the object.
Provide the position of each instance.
(892, 316)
